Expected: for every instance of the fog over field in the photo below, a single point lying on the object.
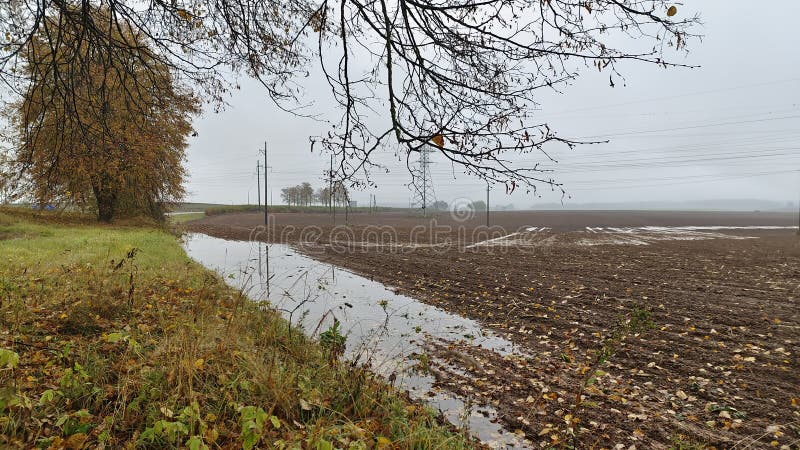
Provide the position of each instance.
(727, 129)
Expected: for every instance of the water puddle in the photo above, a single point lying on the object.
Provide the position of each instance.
(650, 234)
(384, 329)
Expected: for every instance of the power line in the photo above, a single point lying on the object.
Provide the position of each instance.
(662, 114)
(752, 143)
(662, 162)
(671, 97)
(686, 180)
(690, 127)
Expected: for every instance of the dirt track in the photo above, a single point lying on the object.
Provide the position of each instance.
(720, 367)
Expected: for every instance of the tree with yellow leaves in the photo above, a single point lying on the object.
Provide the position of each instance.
(113, 135)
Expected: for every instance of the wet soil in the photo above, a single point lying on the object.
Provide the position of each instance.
(557, 220)
(720, 366)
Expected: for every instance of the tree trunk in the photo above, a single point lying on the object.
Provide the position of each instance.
(105, 203)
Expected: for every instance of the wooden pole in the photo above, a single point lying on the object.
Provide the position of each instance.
(487, 204)
(258, 180)
(266, 215)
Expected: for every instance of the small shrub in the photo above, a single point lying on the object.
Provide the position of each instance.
(333, 340)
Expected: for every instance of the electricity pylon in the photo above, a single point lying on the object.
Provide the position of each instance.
(422, 193)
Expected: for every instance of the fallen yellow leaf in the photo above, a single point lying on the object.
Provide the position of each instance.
(382, 442)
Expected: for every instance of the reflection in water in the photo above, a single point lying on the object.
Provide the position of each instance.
(384, 329)
(263, 265)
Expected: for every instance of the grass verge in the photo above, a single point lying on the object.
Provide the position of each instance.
(227, 209)
(111, 337)
(185, 217)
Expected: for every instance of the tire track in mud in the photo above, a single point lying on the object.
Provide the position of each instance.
(738, 315)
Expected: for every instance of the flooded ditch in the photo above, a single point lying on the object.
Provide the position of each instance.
(387, 331)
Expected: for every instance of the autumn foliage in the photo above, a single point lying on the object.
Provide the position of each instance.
(112, 135)
(111, 338)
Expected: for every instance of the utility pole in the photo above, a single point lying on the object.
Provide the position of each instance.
(266, 215)
(258, 180)
(487, 204)
(266, 212)
(266, 208)
(333, 196)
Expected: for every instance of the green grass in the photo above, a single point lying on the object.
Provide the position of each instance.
(226, 209)
(111, 336)
(193, 207)
(185, 217)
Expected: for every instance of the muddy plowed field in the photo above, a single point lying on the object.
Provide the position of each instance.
(716, 361)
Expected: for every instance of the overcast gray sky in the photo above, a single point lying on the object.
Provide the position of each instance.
(729, 129)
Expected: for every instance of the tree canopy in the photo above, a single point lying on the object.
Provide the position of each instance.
(461, 76)
(84, 141)
(300, 195)
(304, 195)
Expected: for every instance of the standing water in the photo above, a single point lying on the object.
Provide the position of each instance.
(383, 329)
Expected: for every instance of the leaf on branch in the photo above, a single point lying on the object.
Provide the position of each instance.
(438, 139)
(672, 11)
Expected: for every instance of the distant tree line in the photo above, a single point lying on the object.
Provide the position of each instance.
(304, 194)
